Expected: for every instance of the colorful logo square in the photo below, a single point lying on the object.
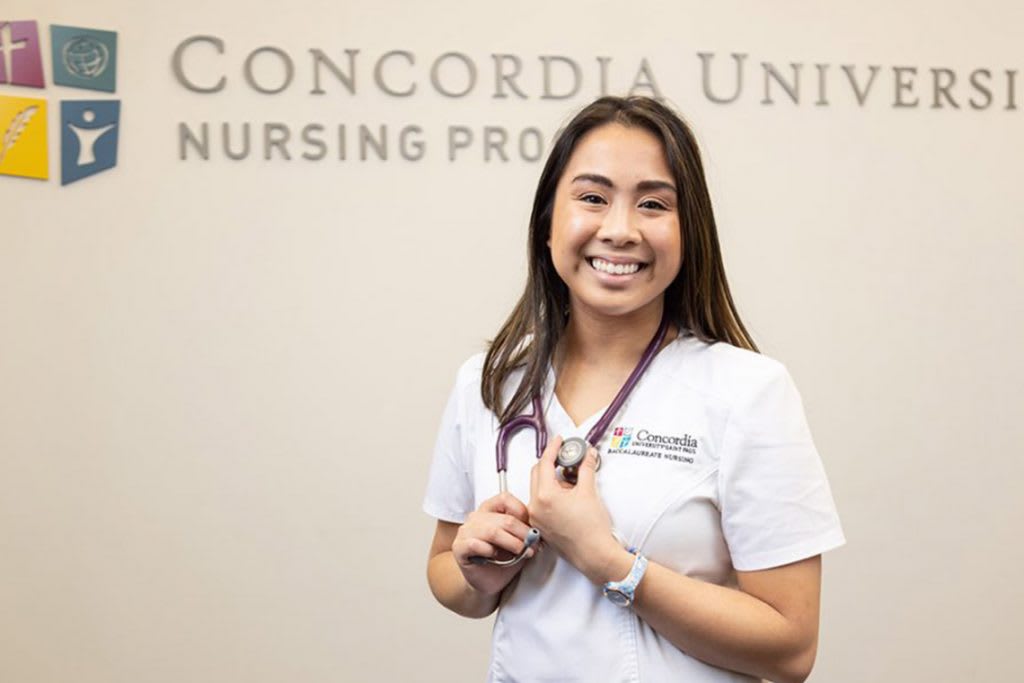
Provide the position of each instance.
(23, 142)
(84, 57)
(621, 436)
(89, 134)
(21, 61)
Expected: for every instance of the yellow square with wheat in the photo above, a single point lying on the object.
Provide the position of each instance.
(23, 141)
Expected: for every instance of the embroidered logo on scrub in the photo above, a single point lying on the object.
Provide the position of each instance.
(621, 437)
(646, 444)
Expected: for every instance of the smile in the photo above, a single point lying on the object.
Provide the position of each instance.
(603, 266)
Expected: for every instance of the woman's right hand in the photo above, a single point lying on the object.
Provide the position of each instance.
(500, 523)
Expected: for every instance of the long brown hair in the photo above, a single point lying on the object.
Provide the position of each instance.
(698, 300)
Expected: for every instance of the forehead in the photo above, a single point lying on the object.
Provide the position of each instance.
(622, 153)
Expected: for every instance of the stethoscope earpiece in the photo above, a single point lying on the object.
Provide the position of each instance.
(532, 539)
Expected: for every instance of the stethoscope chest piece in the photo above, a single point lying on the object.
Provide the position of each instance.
(570, 457)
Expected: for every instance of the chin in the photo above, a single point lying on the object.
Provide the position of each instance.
(612, 309)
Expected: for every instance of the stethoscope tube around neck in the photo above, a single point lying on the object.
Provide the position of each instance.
(597, 431)
(535, 419)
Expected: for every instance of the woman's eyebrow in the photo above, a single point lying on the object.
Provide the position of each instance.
(642, 186)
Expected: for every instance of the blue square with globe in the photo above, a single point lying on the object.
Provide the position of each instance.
(84, 57)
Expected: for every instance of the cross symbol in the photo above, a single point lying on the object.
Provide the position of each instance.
(7, 46)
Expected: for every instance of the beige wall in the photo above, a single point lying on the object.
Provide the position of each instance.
(220, 381)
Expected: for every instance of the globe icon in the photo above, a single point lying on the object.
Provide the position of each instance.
(85, 57)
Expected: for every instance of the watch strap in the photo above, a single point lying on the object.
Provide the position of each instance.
(622, 592)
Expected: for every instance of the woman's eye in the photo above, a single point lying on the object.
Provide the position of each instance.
(592, 199)
(652, 204)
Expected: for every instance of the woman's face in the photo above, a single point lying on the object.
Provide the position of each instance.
(615, 234)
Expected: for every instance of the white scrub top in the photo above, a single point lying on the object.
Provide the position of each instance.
(708, 468)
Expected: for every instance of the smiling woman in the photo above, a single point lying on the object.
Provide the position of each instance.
(690, 552)
(615, 238)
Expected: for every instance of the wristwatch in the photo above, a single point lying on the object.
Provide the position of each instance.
(621, 592)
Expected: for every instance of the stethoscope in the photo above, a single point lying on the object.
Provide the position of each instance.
(573, 450)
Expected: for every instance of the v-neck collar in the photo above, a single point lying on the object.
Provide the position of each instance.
(554, 404)
(587, 423)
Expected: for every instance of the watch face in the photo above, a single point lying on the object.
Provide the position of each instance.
(617, 597)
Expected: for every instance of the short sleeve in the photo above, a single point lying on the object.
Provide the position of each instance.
(776, 503)
(449, 495)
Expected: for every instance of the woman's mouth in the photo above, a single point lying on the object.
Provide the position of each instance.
(625, 268)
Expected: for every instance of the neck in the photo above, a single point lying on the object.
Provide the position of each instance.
(593, 338)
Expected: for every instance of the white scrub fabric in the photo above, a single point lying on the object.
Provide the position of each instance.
(708, 468)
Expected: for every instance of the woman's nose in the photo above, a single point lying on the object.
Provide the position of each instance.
(617, 226)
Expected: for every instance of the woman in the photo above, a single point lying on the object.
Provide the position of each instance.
(691, 550)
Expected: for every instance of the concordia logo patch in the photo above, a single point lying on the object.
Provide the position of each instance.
(645, 443)
(83, 58)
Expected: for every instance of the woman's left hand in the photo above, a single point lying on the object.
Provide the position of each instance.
(571, 518)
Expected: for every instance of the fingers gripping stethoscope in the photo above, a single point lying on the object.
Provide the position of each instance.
(572, 451)
(535, 421)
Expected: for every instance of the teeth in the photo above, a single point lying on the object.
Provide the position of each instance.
(615, 268)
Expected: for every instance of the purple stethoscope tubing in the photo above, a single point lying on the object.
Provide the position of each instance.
(535, 420)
